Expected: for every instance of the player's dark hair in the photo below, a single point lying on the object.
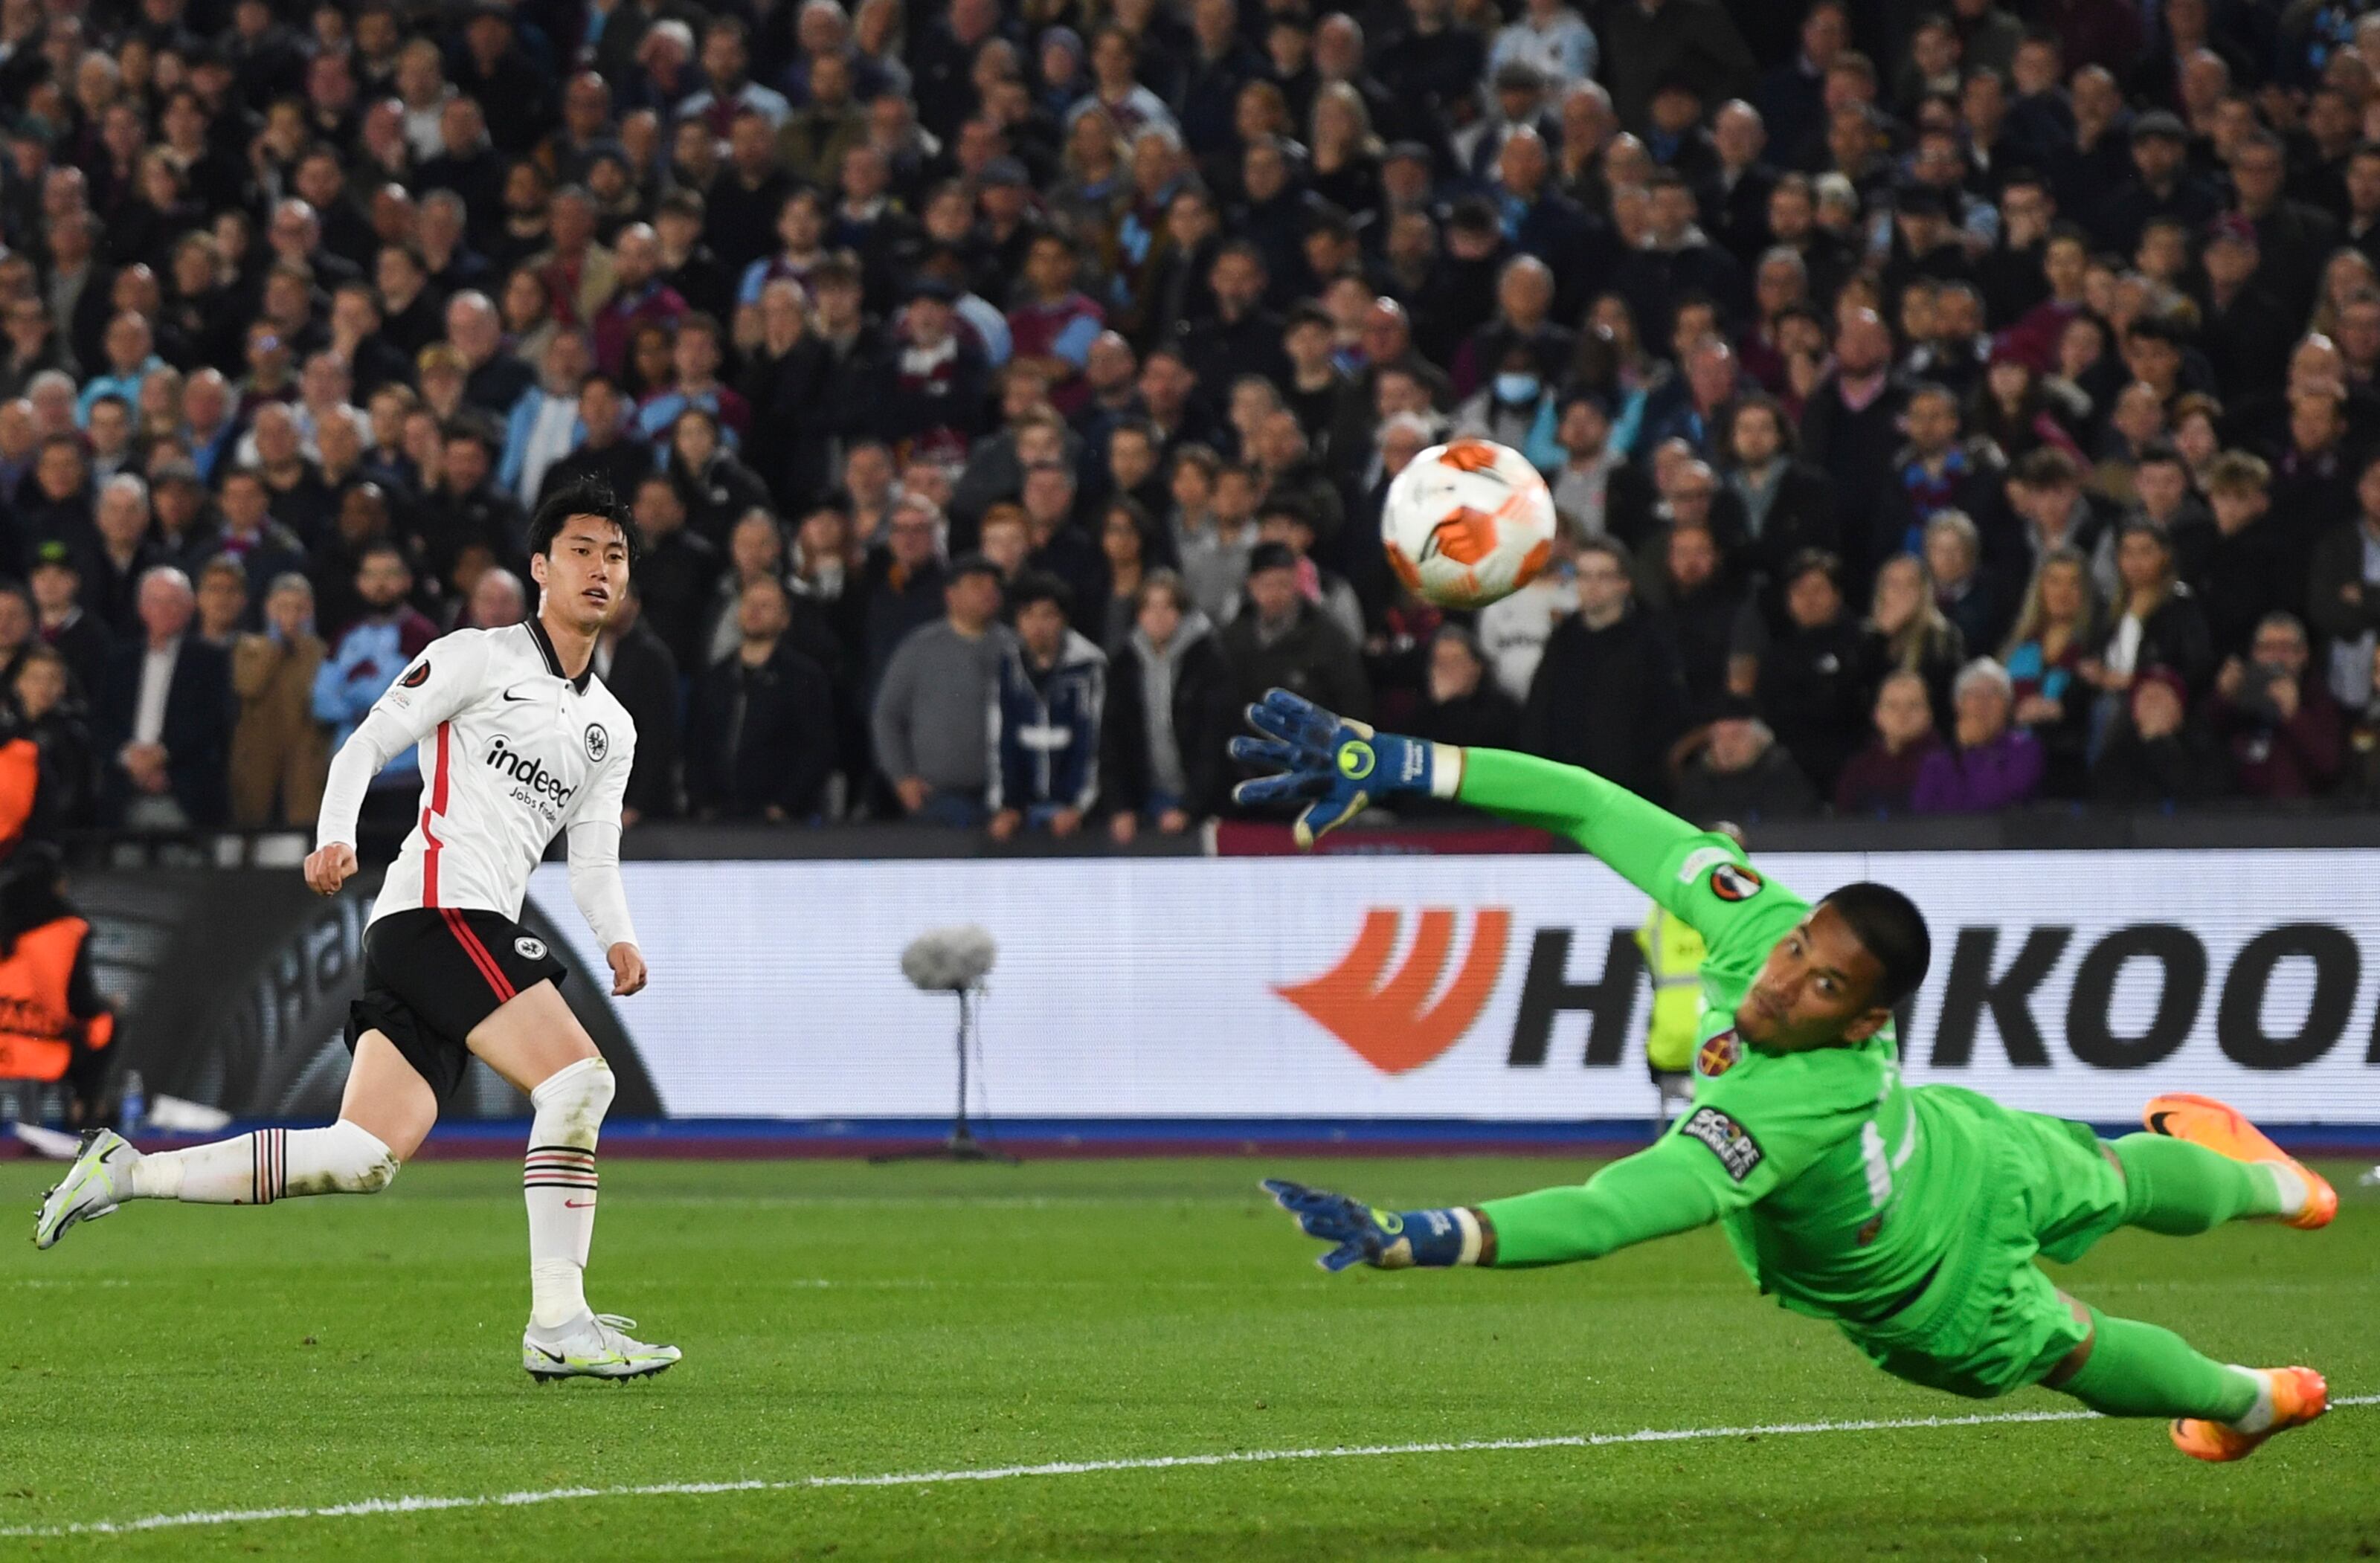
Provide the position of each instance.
(1889, 927)
(588, 496)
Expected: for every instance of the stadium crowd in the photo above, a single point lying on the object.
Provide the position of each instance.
(1947, 408)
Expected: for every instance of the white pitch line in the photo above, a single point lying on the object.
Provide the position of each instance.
(364, 1506)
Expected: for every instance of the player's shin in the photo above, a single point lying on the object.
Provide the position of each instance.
(268, 1164)
(2180, 1189)
(2137, 1369)
(558, 1183)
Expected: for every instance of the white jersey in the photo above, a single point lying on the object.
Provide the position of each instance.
(511, 753)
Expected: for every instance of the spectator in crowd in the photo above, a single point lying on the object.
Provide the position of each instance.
(2360, 785)
(2343, 594)
(1734, 768)
(1214, 528)
(1809, 682)
(905, 582)
(676, 575)
(636, 666)
(2241, 562)
(2056, 630)
(367, 658)
(2155, 621)
(263, 546)
(1788, 506)
(47, 715)
(715, 487)
(1882, 779)
(1462, 704)
(62, 624)
(1169, 714)
(1907, 630)
(1281, 638)
(165, 717)
(1966, 596)
(2274, 715)
(223, 601)
(1047, 705)
(763, 729)
(1609, 693)
(2155, 755)
(931, 708)
(279, 755)
(497, 601)
(1990, 764)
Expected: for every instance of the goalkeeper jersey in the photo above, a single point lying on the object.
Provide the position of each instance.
(1842, 1189)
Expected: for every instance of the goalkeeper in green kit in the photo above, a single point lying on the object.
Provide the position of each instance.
(1908, 1216)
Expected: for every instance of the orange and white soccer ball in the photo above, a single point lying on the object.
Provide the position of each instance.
(1468, 522)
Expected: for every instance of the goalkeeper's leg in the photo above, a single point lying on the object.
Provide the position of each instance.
(2219, 1411)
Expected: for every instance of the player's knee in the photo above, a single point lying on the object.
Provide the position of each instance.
(358, 1162)
(571, 1102)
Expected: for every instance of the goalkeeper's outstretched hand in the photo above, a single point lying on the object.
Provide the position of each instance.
(1383, 1239)
(1336, 766)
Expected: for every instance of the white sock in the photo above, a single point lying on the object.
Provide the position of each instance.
(2260, 1415)
(558, 1183)
(268, 1164)
(2288, 1185)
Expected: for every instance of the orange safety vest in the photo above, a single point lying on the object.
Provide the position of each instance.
(37, 1034)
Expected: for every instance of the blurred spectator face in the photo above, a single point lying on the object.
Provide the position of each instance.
(695, 441)
(2161, 486)
(1399, 442)
(40, 685)
(1603, 585)
(1003, 538)
(1131, 458)
(912, 535)
(16, 619)
(223, 601)
(1982, 711)
(1692, 557)
(60, 470)
(122, 517)
(1522, 165)
(1689, 494)
(763, 613)
(53, 401)
(973, 600)
(1238, 282)
(1161, 615)
(636, 256)
(467, 465)
(657, 510)
(54, 586)
(2256, 174)
(2143, 560)
(245, 504)
(1042, 628)
(1903, 715)
(1757, 438)
(1812, 601)
(1454, 671)
(1048, 498)
(110, 427)
(1120, 539)
(1273, 593)
(2316, 418)
(276, 436)
(165, 607)
(930, 482)
(497, 600)
(2157, 709)
(1736, 743)
(1933, 424)
(1583, 431)
(2280, 645)
(1711, 373)
(2359, 332)
(1040, 444)
(382, 580)
(1863, 346)
(1165, 386)
(599, 407)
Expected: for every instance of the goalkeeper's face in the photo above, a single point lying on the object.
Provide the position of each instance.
(1817, 988)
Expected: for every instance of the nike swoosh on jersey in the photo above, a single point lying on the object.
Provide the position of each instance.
(510, 696)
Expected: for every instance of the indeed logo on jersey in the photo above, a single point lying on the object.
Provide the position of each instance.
(530, 773)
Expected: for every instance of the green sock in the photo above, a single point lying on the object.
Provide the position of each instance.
(2139, 1370)
(2174, 1187)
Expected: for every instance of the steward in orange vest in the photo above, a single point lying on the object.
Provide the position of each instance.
(54, 1026)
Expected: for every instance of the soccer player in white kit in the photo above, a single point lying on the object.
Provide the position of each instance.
(518, 742)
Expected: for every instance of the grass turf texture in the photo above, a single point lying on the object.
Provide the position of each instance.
(843, 1319)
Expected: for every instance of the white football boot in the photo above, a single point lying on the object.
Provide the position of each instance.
(591, 1346)
(99, 1180)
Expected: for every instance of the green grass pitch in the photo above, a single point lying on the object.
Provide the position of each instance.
(844, 1320)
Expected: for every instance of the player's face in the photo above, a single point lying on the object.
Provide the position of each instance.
(585, 571)
(1817, 987)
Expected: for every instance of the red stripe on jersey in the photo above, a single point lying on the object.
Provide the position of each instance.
(437, 806)
(478, 954)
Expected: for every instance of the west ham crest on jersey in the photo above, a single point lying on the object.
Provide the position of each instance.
(1718, 1056)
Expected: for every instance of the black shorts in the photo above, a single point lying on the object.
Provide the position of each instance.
(430, 975)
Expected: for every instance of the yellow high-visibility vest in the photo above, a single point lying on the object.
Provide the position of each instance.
(1674, 959)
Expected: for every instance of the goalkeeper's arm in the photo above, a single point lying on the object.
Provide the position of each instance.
(1658, 1192)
